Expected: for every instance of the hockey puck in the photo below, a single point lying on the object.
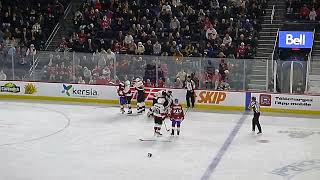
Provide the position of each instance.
(263, 141)
(149, 155)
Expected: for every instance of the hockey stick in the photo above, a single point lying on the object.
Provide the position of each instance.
(165, 125)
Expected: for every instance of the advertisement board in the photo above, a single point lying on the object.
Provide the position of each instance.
(205, 99)
(92, 92)
(295, 39)
(288, 101)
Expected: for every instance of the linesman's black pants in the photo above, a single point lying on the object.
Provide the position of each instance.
(190, 95)
(255, 122)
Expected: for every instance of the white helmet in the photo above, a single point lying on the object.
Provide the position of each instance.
(161, 100)
(127, 83)
(138, 79)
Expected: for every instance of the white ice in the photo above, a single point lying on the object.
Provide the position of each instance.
(43, 141)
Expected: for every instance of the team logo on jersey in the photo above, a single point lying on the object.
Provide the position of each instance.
(10, 87)
(265, 99)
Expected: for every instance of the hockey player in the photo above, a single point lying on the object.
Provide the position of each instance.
(122, 97)
(140, 97)
(159, 95)
(159, 115)
(169, 100)
(176, 116)
(128, 94)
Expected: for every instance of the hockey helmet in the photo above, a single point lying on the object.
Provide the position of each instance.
(121, 84)
(169, 92)
(161, 100)
(138, 79)
(164, 93)
(176, 101)
(127, 83)
(253, 98)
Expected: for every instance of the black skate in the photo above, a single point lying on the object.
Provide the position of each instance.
(172, 132)
(178, 132)
(129, 112)
(122, 111)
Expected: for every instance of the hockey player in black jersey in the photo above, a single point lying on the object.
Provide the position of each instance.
(140, 95)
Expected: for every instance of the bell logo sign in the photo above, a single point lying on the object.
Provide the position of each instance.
(290, 40)
(295, 39)
(212, 97)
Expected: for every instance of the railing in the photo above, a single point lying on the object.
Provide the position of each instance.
(309, 64)
(272, 14)
(57, 27)
(49, 40)
(273, 61)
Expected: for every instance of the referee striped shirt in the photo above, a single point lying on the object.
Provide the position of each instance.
(255, 106)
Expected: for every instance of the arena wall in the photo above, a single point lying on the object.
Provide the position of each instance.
(205, 99)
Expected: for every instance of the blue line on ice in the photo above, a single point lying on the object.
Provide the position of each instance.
(216, 160)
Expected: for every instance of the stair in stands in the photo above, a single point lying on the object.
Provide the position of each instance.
(66, 26)
(314, 77)
(257, 79)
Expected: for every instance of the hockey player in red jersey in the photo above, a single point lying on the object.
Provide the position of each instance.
(176, 116)
(122, 97)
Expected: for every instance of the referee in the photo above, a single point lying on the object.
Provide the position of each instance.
(256, 114)
(190, 86)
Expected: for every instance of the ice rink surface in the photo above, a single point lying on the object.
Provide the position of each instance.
(42, 141)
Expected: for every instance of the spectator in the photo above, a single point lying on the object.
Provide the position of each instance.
(175, 24)
(3, 76)
(105, 23)
(31, 52)
(86, 74)
(304, 12)
(182, 75)
(227, 40)
(223, 69)
(148, 84)
(211, 33)
(80, 80)
(223, 86)
(242, 51)
(178, 83)
(248, 26)
(313, 15)
(106, 72)
(157, 48)
(96, 72)
(148, 48)
(110, 56)
(140, 49)
(189, 49)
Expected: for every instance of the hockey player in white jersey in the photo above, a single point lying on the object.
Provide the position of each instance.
(140, 95)
(166, 97)
(159, 114)
(128, 94)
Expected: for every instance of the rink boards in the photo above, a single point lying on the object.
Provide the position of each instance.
(205, 99)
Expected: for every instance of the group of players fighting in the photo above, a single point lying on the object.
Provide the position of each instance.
(163, 105)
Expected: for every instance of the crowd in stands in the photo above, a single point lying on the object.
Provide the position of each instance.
(176, 28)
(303, 10)
(25, 27)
